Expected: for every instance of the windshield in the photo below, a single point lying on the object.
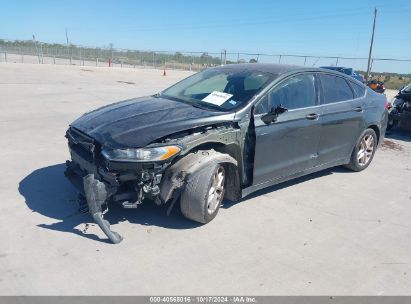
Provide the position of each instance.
(219, 88)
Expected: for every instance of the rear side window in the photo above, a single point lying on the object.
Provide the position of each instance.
(335, 89)
(359, 91)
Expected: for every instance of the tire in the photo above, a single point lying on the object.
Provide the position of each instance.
(364, 151)
(198, 201)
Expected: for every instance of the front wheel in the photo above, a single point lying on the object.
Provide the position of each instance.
(203, 194)
(364, 151)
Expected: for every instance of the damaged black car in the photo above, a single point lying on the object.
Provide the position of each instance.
(400, 111)
(220, 134)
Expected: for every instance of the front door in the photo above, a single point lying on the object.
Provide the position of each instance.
(289, 144)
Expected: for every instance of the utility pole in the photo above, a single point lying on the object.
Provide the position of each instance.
(67, 38)
(41, 51)
(372, 42)
(112, 54)
(37, 49)
(223, 57)
(68, 47)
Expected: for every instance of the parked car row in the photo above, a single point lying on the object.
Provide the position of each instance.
(376, 85)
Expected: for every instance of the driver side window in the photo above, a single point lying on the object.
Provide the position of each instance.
(292, 93)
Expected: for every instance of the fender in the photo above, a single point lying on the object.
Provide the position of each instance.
(176, 175)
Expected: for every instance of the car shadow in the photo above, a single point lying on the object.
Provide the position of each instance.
(48, 192)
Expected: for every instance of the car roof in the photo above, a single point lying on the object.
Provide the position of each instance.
(280, 69)
(272, 68)
(333, 67)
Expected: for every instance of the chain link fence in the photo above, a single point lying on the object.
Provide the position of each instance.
(45, 53)
(105, 57)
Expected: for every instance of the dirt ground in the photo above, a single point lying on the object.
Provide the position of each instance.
(331, 233)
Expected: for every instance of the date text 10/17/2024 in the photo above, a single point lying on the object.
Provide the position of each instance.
(203, 299)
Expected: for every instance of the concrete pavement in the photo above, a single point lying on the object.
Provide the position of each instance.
(330, 233)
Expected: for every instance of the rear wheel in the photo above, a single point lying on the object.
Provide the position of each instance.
(203, 194)
(364, 151)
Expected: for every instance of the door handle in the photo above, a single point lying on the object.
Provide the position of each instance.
(312, 116)
(358, 109)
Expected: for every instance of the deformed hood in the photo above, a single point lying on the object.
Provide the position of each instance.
(137, 122)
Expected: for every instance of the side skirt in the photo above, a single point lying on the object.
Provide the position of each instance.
(254, 188)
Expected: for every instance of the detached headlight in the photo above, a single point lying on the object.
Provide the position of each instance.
(141, 155)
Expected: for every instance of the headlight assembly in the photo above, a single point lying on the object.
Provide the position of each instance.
(141, 155)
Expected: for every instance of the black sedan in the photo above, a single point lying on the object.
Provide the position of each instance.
(222, 133)
(400, 112)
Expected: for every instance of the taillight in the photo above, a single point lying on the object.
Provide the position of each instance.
(387, 105)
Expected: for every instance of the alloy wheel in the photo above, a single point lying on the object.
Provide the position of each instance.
(216, 191)
(365, 150)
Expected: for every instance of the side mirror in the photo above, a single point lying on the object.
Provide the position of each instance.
(272, 116)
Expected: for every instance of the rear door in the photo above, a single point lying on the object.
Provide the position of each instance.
(342, 118)
(289, 144)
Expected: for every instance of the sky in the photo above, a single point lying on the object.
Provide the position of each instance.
(320, 28)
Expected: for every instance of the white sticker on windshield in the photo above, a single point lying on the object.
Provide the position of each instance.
(217, 98)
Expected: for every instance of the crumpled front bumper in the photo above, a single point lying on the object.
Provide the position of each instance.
(75, 175)
(403, 119)
(96, 195)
